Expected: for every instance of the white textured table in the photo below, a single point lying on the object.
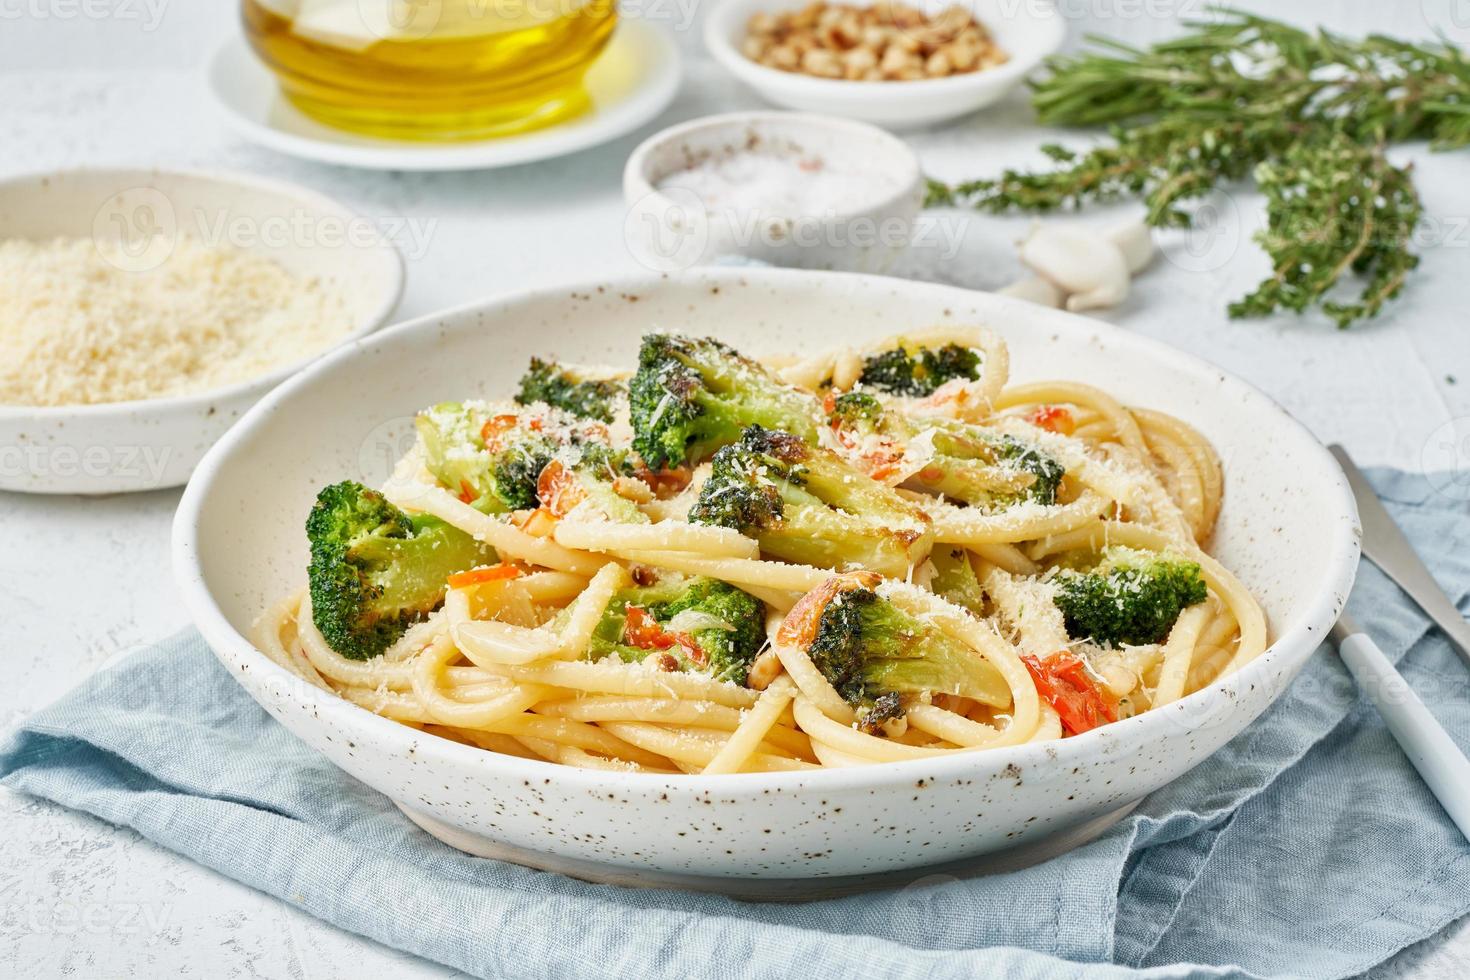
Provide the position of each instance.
(117, 81)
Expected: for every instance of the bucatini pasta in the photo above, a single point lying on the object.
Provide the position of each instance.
(708, 566)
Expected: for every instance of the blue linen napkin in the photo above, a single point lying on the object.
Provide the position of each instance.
(1307, 847)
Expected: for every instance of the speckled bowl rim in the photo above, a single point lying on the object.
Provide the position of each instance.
(637, 185)
(183, 404)
(1291, 649)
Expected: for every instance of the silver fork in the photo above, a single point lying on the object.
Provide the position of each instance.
(1428, 746)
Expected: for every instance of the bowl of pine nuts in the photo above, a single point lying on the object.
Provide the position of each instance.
(899, 65)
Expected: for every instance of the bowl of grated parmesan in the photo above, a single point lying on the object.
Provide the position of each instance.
(143, 311)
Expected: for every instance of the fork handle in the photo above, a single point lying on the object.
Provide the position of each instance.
(1429, 747)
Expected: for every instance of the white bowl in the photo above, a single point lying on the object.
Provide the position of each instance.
(153, 443)
(674, 229)
(1027, 31)
(1288, 529)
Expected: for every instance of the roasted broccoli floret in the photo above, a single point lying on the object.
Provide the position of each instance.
(916, 371)
(1045, 472)
(969, 463)
(857, 410)
(1131, 597)
(499, 460)
(870, 650)
(692, 395)
(375, 571)
(567, 389)
(955, 580)
(988, 469)
(586, 486)
(489, 459)
(805, 505)
(692, 624)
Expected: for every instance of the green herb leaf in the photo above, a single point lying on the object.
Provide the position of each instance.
(1308, 116)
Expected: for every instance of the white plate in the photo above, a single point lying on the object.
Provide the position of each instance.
(632, 81)
(145, 445)
(1027, 31)
(1288, 529)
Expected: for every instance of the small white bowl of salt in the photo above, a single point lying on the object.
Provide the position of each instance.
(784, 188)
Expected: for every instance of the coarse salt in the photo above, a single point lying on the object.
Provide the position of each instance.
(779, 185)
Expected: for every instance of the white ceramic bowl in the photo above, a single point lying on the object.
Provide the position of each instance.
(674, 229)
(153, 443)
(1027, 31)
(1288, 529)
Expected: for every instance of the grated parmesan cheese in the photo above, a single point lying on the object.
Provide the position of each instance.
(78, 329)
(1027, 608)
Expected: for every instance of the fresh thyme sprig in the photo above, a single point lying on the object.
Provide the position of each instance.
(1309, 116)
(1333, 206)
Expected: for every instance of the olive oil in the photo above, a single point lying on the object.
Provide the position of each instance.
(432, 69)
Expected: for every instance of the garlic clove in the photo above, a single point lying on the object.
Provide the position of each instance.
(1136, 241)
(1079, 261)
(1034, 289)
(1105, 295)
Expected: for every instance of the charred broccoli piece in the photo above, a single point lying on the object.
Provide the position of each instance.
(916, 371)
(969, 463)
(566, 388)
(1045, 472)
(955, 580)
(690, 624)
(375, 571)
(490, 459)
(1130, 597)
(870, 650)
(587, 484)
(805, 505)
(857, 410)
(988, 469)
(692, 395)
